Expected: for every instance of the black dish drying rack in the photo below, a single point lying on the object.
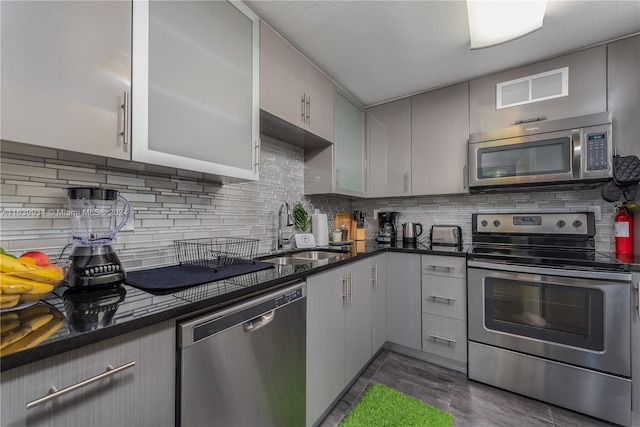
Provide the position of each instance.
(216, 252)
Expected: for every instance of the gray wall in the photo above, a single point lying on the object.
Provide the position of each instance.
(172, 204)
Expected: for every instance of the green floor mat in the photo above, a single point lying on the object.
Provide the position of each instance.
(384, 406)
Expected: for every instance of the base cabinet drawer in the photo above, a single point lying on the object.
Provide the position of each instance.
(444, 296)
(444, 337)
(440, 265)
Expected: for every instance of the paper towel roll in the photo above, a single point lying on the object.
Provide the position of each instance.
(320, 229)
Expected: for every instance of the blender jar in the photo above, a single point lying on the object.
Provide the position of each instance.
(94, 212)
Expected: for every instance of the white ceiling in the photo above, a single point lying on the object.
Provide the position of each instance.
(381, 50)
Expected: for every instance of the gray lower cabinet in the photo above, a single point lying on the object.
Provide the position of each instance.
(444, 310)
(378, 270)
(403, 300)
(338, 332)
(140, 395)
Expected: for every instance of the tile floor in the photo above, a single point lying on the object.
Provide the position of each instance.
(470, 403)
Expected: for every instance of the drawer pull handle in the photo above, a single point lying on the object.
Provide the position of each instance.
(437, 337)
(446, 268)
(54, 392)
(436, 297)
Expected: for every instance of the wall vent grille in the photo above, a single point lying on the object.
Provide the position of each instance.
(534, 88)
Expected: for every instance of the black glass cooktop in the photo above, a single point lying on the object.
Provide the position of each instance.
(546, 256)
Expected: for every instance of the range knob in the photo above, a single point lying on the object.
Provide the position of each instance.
(577, 223)
(484, 223)
(561, 224)
(496, 223)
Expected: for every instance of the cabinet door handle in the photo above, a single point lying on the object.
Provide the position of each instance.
(54, 392)
(125, 119)
(302, 108)
(258, 154)
(638, 299)
(406, 182)
(374, 279)
(465, 177)
(437, 337)
(345, 289)
(308, 108)
(446, 268)
(448, 299)
(350, 287)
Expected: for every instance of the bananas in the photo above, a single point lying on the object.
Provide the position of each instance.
(48, 274)
(28, 328)
(23, 282)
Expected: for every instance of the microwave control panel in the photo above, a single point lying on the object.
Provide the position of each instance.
(596, 151)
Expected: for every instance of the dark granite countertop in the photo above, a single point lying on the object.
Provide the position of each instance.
(632, 260)
(127, 308)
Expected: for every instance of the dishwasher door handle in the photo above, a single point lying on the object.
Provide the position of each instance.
(259, 322)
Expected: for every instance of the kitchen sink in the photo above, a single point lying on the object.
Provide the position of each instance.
(306, 257)
(286, 260)
(315, 255)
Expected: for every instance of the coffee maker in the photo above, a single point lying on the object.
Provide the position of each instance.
(94, 212)
(387, 231)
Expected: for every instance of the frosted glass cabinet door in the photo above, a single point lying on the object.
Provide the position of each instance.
(66, 66)
(349, 147)
(196, 100)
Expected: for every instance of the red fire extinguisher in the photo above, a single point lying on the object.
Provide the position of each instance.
(624, 231)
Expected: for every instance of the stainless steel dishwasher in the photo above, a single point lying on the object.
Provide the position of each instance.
(244, 365)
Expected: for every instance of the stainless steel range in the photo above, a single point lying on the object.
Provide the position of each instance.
(549, 317)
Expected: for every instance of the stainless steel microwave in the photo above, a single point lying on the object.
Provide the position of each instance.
(572, 150)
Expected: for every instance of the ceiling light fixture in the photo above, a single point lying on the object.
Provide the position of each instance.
(493, 22)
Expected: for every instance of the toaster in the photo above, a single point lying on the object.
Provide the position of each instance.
(446, 235)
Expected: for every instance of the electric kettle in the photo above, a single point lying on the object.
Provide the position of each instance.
(410, 231)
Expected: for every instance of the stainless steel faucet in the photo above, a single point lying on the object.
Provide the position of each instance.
(281, 240)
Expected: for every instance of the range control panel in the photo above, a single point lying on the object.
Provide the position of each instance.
(580, 223)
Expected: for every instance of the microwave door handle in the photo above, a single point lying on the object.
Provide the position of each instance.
(576, 150)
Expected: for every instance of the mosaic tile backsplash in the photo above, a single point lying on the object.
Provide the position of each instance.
(170, 204)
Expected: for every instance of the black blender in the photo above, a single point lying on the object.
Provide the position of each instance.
(387, 227)
(94, 212)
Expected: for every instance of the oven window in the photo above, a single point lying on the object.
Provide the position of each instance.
(532, 158)
(569, 315)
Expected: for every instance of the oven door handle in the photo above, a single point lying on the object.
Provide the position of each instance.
(581, 274)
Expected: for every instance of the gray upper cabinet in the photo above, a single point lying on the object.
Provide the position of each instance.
(587, 91)
(195, 74)
(439, 138)
(623, 82)
(339, 168)
(294, 89)
(66, 67)
(389, 149)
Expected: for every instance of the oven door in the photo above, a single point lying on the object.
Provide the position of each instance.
(576, 317)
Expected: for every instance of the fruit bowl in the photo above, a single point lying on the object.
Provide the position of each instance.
(23, 283)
